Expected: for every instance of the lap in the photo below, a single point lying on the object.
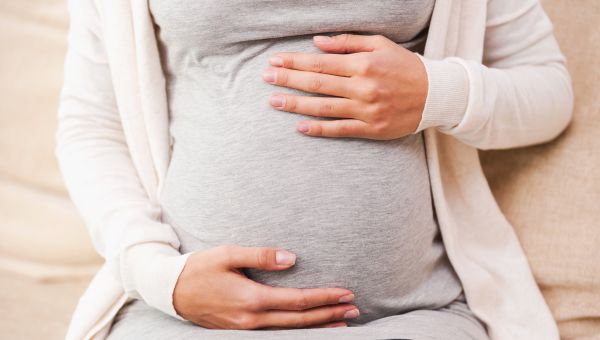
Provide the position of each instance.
(137, 320)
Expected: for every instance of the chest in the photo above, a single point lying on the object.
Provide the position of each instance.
(227, 25)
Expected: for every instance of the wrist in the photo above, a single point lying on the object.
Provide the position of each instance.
(447, 93)
(152, 270)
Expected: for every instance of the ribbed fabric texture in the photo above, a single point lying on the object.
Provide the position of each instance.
(448, 93)
(153, 267)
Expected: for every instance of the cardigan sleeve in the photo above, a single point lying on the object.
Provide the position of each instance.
(98, 172)
(519, 95)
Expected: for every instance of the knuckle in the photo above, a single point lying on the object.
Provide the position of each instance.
(371, 93)
(230, 321)
(290, 61)
(315, 84)
(317, 65)
(325, 109)
(376, 112)
(302, 302)
(366, 65)
(282, 77)
(380, 127)
(342, 130)
(263, 257)
(252, 299)
(227, 251)
(331, 296)
(247, 321)
(316, 130)
(292, 103)
(344, 37)
(300, 321)
(347, 39)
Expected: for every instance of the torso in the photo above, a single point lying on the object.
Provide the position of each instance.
(357, 212)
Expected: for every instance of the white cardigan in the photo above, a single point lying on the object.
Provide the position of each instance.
(113, 148)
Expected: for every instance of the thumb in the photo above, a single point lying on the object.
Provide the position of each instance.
(268, 258)
(348, 43)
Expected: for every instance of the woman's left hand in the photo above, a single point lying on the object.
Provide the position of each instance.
(379, 86)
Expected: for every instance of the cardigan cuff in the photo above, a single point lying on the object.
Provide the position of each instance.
(152, 270)
(448, 93)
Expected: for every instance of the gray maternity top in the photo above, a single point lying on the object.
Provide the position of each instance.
(358, 213)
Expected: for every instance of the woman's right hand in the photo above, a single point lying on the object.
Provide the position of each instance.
(212, 292)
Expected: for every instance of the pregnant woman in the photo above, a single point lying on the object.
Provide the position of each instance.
(304, 169)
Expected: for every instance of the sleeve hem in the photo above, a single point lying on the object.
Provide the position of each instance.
(448, 93)
(153, 270)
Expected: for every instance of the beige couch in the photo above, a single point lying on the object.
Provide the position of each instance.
(550, 192)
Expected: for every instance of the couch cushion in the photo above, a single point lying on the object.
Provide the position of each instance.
(41, 233)
(33, 35)
(551, 192)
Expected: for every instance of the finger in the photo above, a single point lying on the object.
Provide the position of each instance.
(335, 64)
(325, 325)
(350, 43)
(306, 318)
(284, 298)
(335, 128)
(319, 106)
(332, 324)
(312, 82)
(269, 258)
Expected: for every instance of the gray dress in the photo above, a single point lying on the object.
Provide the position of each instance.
(357, 212)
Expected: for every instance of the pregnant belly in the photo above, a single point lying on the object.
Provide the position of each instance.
(357, 213)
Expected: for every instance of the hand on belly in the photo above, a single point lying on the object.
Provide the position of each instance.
(380, 89)
(259, 192)
(212, 292)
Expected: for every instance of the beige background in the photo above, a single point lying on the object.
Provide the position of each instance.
(549, 192)
(45, 254)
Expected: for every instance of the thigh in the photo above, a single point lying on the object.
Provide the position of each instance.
(454, 321)
(137, 320)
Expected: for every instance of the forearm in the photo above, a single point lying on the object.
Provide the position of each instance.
(520, 93)
(100, 175)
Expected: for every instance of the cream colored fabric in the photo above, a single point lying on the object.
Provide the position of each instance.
(551, 193)
(116, 187)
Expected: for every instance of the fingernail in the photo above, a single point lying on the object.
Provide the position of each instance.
(277, 101)
(303, 127)
(346, 298)
(351, 314)
(276, 61)
(284, 257)
(322, 39)
(269, 76)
